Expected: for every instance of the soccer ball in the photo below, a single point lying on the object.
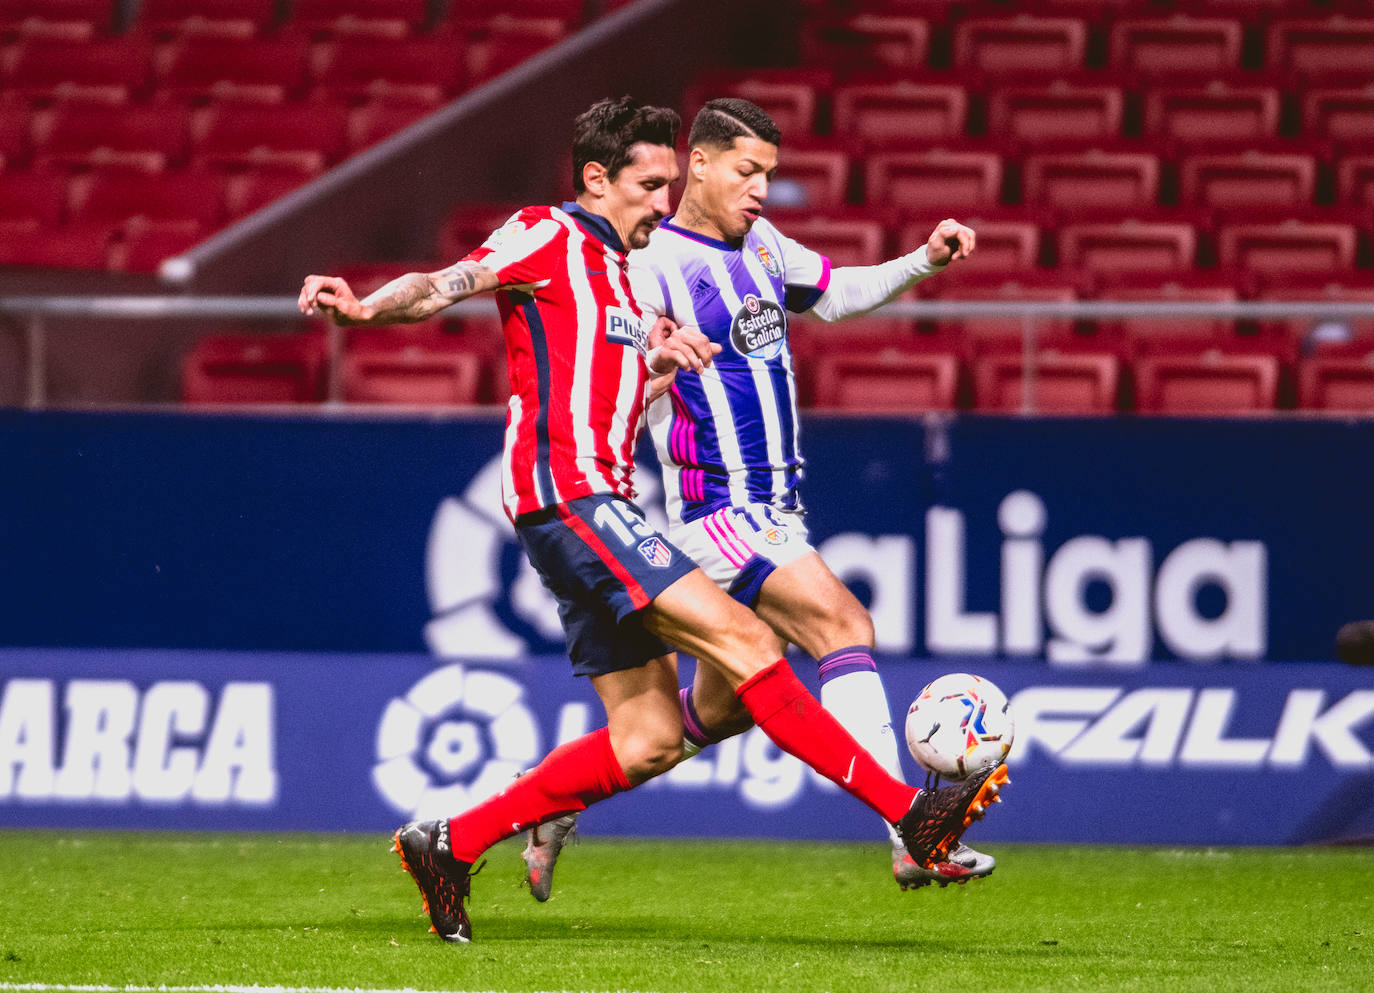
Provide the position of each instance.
(958, 725)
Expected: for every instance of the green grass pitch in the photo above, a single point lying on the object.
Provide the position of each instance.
(117, 909)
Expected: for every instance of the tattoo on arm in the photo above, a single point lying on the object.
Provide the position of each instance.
(402, 299)
(458, 282)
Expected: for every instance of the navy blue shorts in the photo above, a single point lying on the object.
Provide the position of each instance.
(604, 564)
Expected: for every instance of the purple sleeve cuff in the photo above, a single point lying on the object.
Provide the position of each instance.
(800, 299)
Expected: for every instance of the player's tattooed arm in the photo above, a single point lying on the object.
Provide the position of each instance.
(406, 299)
(460, 281)
(416, 296)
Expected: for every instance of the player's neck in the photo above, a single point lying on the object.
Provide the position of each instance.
(691, 217)
(596, 207)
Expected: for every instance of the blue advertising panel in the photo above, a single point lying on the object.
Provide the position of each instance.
(1088, 542)
(1278, 754)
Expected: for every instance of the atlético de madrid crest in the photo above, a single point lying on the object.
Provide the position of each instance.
(770, 264)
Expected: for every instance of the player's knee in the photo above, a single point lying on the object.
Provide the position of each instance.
(855, 628)
(649, 755)
(727, 725)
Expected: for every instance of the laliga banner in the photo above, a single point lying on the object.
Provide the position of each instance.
(1085, 543)
(1278, 754)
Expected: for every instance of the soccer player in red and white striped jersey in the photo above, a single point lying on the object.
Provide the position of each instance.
(580, 357)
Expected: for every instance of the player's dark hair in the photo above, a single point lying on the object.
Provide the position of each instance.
(608, 129)
(721, 121)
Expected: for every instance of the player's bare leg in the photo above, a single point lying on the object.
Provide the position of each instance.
(646, 736)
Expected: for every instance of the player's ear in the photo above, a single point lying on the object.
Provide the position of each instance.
(595, 178)
(697, 161)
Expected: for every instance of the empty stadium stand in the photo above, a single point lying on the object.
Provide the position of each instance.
(1132, 151)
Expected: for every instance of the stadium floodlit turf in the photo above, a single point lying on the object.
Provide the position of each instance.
(309, 911)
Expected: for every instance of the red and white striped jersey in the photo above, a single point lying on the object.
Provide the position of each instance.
(574, 347)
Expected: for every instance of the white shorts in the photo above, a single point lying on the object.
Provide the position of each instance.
(739, 547)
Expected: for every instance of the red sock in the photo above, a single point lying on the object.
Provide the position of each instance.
(800, 726)
(572, 777)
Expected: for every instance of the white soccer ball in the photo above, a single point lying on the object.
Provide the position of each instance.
(959, 725)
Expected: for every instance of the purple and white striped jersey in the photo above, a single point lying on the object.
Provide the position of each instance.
(729, 436)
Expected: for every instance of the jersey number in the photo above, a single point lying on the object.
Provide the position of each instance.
(623, 522)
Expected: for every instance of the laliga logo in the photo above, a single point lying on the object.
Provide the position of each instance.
(486, 599)
(459, 736)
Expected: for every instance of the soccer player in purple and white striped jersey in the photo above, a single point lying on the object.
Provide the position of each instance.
(727, 439)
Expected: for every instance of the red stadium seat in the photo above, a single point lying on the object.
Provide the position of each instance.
(104, 69)
(331, 15)
(1355, 180)
(869, 41)
(1332, 48)
(1330, 334)
(266, 70)
(1175, 46)
(1092, 182)
(16, 133)
(505, 41)
(1056, 113)
(902, 112)
(1337, 384)
(842, 240)
(1098, 250)
(1062, 383)
(146, 243)
(425, 69)
(470, 225)
(887, 382)
(1343, 116)
(118, 194)
(404, 370)
(977, 335)
(259, 185)
(40, 196)
(1212, 114)
(1249, 180)
(255, 368)
(1142, 335)
(568, 11)
(789, 96)
(816, 178)
(1211, 383)
(1019, 46)
(83, 133)
(227, 18)
(96, 15)
(1290, 247)
(380, 117)
(25, 242)
(250, 134)
(810, 337)
(935, 181)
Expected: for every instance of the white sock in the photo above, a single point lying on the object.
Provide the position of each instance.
(852, 691)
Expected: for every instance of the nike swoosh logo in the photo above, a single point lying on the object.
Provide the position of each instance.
(850, 774)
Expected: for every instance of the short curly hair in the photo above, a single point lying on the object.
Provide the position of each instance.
(607, 130)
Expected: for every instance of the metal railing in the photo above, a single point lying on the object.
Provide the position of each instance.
(34, 313)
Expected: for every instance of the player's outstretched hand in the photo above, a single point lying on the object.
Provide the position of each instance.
(332, 297)
(949, 241)
(672, 347)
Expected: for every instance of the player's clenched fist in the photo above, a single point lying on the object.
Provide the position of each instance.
(332, 297)
(949, 241)
(673, 347)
